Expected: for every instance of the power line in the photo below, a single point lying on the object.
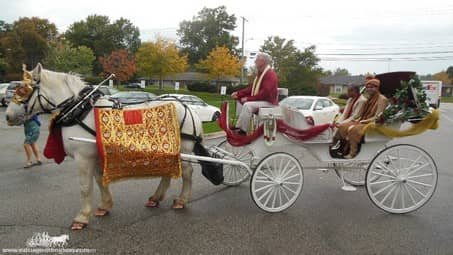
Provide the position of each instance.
(385, 54)
(390, 59)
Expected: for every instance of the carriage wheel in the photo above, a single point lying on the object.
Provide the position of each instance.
(277, 182)
(401, 178)
(235, 175)
(353, 173)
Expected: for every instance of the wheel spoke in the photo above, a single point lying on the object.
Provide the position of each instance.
(419, 176)
(380, 182)
(410, 194)
(292, 176)
(264, 187)
(288, 172)
(417, 169)
(284, 193)
(385, 175)
(291, 183)
(420, 183)
(413, 163)
(403, 203)
(267, 176)
(397, 191)
(388, 194)
(265, 193)
(270, 195)
(416, 190)
(287, 188)
(386, 168)
(386, 187)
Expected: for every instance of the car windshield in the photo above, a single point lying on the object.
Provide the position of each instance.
(299, 103)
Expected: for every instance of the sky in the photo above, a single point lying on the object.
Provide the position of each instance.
(400, 35)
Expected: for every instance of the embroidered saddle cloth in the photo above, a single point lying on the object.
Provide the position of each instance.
(138, 143)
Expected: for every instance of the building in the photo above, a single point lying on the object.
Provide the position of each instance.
(447, 90)
(339, 84)
(189, 78)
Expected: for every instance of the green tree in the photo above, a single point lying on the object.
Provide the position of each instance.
(102, 37)
(450, 72)
(64, 58)
(341, 72)
(297, 70)
(212, 27)
(26, 41)
(159, 58)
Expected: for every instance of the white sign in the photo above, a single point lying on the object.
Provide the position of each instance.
(177, 85)
(223, 90)
(110, 83)
(142, 84)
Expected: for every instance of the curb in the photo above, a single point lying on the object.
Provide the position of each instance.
(214, 135)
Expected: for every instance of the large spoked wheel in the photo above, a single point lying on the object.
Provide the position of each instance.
(277, 182)
(353, 173)
(401, 178)
(235, 175)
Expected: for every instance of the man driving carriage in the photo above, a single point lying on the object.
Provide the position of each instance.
(374, 106)
(261, 93)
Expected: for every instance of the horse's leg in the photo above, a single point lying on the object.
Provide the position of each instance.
(187, 170)
(186, 191)
(86, 169)
(159, 195)
(106, 203)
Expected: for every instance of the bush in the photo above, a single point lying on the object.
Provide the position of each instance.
(343, 96)
(93, 80)
(202, 87)
(231, 88)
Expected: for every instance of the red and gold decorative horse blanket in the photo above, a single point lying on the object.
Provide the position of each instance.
(138, 143)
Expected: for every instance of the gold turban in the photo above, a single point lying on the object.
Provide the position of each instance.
(373, 83)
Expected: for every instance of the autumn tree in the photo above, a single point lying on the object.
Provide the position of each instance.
(26, 41)
(450, 72)
(63, 57)
(119, 62)
(160, 58)
(442, 76)
(221, 63)
(210, 28)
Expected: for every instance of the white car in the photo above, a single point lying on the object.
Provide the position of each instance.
(3, 88)
(317, 110)
(205, 111)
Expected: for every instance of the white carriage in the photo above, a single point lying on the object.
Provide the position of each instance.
(399, 178)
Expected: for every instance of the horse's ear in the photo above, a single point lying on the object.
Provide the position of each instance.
(37, 72)
(38, 68)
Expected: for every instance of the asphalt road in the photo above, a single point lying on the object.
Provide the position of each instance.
(220, 220)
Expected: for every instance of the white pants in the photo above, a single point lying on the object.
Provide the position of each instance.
(246, 112)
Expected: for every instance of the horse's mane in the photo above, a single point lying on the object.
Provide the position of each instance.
(73, 80)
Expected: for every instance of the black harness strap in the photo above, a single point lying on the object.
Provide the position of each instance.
(84, 126)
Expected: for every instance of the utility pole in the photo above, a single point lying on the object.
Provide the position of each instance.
(243, 50)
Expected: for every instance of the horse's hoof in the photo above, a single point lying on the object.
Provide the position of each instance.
(178, 204)
(152, 204)
(101, 212)
(78, 225)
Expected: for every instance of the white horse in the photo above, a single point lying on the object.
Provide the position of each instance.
(54, 88)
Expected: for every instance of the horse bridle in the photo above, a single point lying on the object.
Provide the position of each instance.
(40, 98)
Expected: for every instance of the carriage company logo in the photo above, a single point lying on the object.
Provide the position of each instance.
(43, 240)
(45, 243)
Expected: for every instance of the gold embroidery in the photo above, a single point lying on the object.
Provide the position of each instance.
(150, 148)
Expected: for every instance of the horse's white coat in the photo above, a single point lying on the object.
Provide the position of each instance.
(59, 86)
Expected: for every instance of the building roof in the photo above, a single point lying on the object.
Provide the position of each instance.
(342, 80)
(192, 76)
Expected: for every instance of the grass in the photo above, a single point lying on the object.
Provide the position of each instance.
(446, 99)
(209, 98)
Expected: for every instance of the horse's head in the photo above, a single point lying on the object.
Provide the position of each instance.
(41, 91)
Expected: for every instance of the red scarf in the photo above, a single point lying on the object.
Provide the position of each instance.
(348, 111)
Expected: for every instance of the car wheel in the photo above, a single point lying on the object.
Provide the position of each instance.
(215, 116)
